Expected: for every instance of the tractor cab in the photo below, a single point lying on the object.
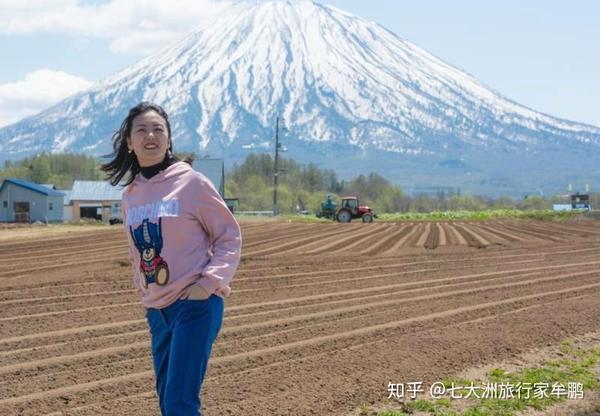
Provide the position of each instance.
(350, 203)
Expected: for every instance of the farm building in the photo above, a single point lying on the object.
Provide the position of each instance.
(67, 211)
(581, 201)
(214, 170)
(95, 199)
(24, 201)
(102, 201)
(577, 201)
(68, 208)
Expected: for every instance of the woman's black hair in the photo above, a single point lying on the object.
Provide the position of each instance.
(123, 162)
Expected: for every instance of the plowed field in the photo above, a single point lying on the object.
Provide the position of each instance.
(322, 316)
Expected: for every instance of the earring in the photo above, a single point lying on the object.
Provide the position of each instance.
(129, 151)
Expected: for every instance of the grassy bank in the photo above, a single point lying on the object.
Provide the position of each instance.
(480, 215)
(547, 215)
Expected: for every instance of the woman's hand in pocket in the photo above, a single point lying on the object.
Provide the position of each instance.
(195, 292)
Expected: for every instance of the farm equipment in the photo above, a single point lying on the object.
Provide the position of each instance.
(348, 210)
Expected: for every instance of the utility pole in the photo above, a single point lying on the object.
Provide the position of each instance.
(276, 170)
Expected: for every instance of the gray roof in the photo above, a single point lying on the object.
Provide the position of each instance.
(95, 191)
(213, 169)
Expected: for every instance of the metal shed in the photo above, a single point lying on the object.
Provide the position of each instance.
(95, 199)
(214, 170)
(24, 201)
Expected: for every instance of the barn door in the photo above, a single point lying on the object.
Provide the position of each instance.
(22, 212)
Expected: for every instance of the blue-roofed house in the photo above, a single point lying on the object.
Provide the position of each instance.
(95, 199)
(24, 201)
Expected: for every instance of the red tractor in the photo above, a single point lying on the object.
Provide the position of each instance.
(349, 209)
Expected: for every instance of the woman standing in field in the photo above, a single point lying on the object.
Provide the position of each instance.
(184, 245)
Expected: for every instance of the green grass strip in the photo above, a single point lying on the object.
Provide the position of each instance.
(547, 215)
(576, 366)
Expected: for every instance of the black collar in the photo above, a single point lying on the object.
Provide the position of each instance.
(150, 171)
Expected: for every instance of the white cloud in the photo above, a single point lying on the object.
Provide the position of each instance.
(132, 26)
(37, 91)
(143, 43)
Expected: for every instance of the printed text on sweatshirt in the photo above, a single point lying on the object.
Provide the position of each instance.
(180, 233)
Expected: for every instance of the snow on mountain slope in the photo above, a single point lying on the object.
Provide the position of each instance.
(338, 82)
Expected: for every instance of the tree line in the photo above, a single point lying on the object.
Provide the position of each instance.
(304, 187)
(301, 186)
(57, 169)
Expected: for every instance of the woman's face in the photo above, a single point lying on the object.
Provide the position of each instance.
(149, 138)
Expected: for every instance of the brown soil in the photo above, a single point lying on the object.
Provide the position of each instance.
(323, 316)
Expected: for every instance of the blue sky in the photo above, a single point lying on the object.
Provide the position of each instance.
(543, 54)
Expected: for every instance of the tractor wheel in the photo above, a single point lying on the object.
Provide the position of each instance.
(344, 216)
(367, 218)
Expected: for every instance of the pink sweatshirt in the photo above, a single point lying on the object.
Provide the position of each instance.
(180, 233)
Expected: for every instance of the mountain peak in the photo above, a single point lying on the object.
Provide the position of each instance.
(340, 83)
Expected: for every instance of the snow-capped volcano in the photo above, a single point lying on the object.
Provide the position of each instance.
(347, 89)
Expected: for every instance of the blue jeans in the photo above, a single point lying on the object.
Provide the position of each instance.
(182, 337)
